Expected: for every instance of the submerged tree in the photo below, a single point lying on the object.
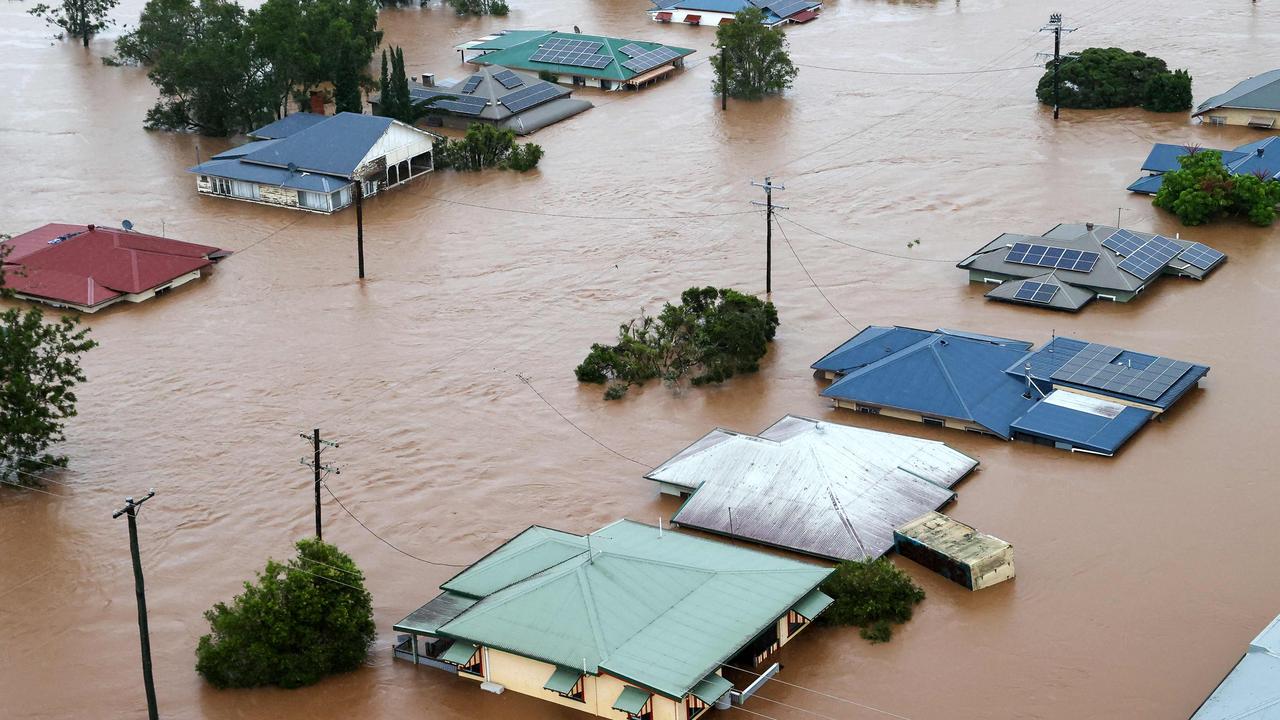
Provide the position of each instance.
(39, 369)
(1203, 189)
(479, 7)
(77, 18)
(486, 146)
(756, 56)
(872, 595)
(301, 621)
(1112, 77)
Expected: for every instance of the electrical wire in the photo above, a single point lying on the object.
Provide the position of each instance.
(575, 426)
(294, 568)
(823, 694)
(815, 713)
(332, 567)
(571, 216)
(810, 276)
(752, 712)
(866, 249)
(386, 542)
(919, 74)
(33, 489)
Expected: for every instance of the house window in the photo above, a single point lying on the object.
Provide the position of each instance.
(646, 712)
(474, 666)
(795, 621)
(605, 85)
(937, 422)
(579, 80)
(1217, 120)
(694, 708)
(867, 409)
(577, 692)
(220, 186)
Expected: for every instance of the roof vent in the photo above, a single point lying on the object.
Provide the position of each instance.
(1088, 226)
(91, 228)
(943, 341)
(1261, 150)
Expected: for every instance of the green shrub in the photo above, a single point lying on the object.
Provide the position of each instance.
(300, 622)
(547, 75)
(1111, 78)
(1169, 92)
(711, 335)
(1203, 190)
(486, 146)
(871, 595)
(479, 7)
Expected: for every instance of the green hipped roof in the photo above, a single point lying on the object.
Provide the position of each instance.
(631, 700)
(563, 680)
(459, 653)
(660, 610)
(712, 688)
(811, 606)
(508, 39)
(518, 56)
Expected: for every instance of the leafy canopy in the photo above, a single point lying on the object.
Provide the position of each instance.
(757, 57)
(301, 621)
(486, 146)
(39, 369)
(711, 335)
(1203, 189)
(872, 595)
(77, 18)
(1112, 77)
(479, 7)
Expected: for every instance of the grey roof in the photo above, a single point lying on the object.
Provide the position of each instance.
(820, 488)
(1106, 277)
(440, 610)
(1260, 92)
(334, 147)
(1252, 690)
(492, 91)
(288, 125)
(234, 169)
(1068, 297)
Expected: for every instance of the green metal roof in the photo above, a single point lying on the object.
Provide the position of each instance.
(459, 653)
(811, 606)
(563, 680)
(528, 553)
(712, 688)
(631, 700)
(660, 610)
(518, 56)
(440, 610)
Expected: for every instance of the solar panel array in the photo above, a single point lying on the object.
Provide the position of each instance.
(508, 79)
(787, 8)
(472, 83)
(1053, 257)
(1093, 367)
(1036, 292)
(651, 59)
(1151, 258)
(461, 104)
(1202, 256)
(529, 97)
(579, 53)
(1123, 242)
(631, 50)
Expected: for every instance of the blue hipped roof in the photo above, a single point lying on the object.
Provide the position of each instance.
(1048, 359)
(1149, 185)
(245, 149)
(1244, 160)
(1083, 430)
(288, 125)
(334, 147)
(233, 169)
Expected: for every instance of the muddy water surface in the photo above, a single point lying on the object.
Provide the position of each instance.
(1140, 578)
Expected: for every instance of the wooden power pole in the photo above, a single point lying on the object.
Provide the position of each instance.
(769, 186)
(131, 509)
(317, 446)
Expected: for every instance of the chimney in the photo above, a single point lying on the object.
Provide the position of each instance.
(1088, 226)
(429, 79)
(90, 228)
(1261, 150)
(317, 102)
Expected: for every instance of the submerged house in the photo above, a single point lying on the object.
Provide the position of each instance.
(955, 550)
(576, 59)
(720, 12)
(1248, 159)
(1254, 102)
(89, 267)
(1071, 394)
(1251, 691)
(1070, 265)
(497, 96)
(819, 488)
(629, 621)
(312, 162)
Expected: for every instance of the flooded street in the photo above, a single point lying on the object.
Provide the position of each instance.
(1141, 578)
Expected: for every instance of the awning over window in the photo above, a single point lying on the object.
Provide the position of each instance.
(711, 688)
(632, 700)
(1260, 121)
(726, 21)
(803, 16)
(811, 605)
(459, 653)
(663, 16)
(563, 680)
(693, 19)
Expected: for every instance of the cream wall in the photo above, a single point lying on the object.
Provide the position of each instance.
(1239, 117)
(527, 676)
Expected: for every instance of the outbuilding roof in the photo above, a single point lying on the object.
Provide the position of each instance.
(815, 487)
(287, 125)
(1252, 690)
(952, 538)
(1248, 159)
(538, 103)
(519, 55)
(661, 610)
(775, 11)
(1260, 92)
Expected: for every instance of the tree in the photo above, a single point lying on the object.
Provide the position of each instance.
(1203, 189)
(712, 335)
(283, 39)
(486, 146)
(347, 30)
(78, 18)
(480, 7)
(1112, 77)
(870, 594)
(301, 621)
(39, 369)
(757, 56)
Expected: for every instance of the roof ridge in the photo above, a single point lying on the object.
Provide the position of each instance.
(946, 375)
(593, 617)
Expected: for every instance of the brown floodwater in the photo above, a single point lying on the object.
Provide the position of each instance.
(1140, 578)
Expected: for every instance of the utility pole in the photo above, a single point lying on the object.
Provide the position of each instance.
(131, 509)
(360, 226)
(769, 186)
(317, 446)
(1055, 27)
(724, 80)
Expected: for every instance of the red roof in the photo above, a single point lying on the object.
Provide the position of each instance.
(88, 265)
(803, 16)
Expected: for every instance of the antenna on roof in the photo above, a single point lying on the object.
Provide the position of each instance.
(1053, 338)
(579, 32)
(127, 225)
(659, 527)
(590, 556)
(292, 168)
(1026, 370)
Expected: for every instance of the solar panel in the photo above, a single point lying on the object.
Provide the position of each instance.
(579, 53)
(631, 50)
(1036, 292)
(508, 79)
(787, 8)
(1202, 256)
(472, 83)
(1095, 367)
(651, 59)
(1151, 258)
(1123, 242)
(1053, 257)
(529, 97)
(461, 104)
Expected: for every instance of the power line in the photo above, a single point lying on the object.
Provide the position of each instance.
(752, 712)
(810, 276)
(867, 249)
(292, 568)
(575, 426)
(572, 216)
(384, 540)
(815, 713)
(332, 567)
(33, 489)
(823, 694)
(919, 74)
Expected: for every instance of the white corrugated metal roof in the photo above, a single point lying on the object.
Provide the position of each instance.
(821, 488)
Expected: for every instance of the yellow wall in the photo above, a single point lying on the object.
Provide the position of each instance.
(527, 676)
(1239, 117)
(906, 415)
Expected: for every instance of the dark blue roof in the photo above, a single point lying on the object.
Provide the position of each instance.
(1164, 157)
(1080, 429)
(1048, 359)
(945, 375)
(873, 343)
(1244, 160)
(245, 149)
(266, 175)
(334, 147)
(288, 125)
(1149, 185)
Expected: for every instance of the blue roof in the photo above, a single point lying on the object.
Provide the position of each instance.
(1149, 185)
(733, 6)
(245, 149)
(334, 147)
(1244, 160)
(288, 125)
(235, 170)
(1164, 157)
(1048, 359)
(1080, 429)
(943, 375)
(873, 343)
(1252, 690)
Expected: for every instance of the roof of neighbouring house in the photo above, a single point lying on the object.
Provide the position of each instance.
(1252, 690)
(1066, 297)
(88, 265)
(1084, 422)
(519, 55)
(775, 11)
(1260, 92)
(952, 538)
(1047, 365)
(287, 125)
(819, 488)
(1248, 159)
(659, 609)
(538, 103)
